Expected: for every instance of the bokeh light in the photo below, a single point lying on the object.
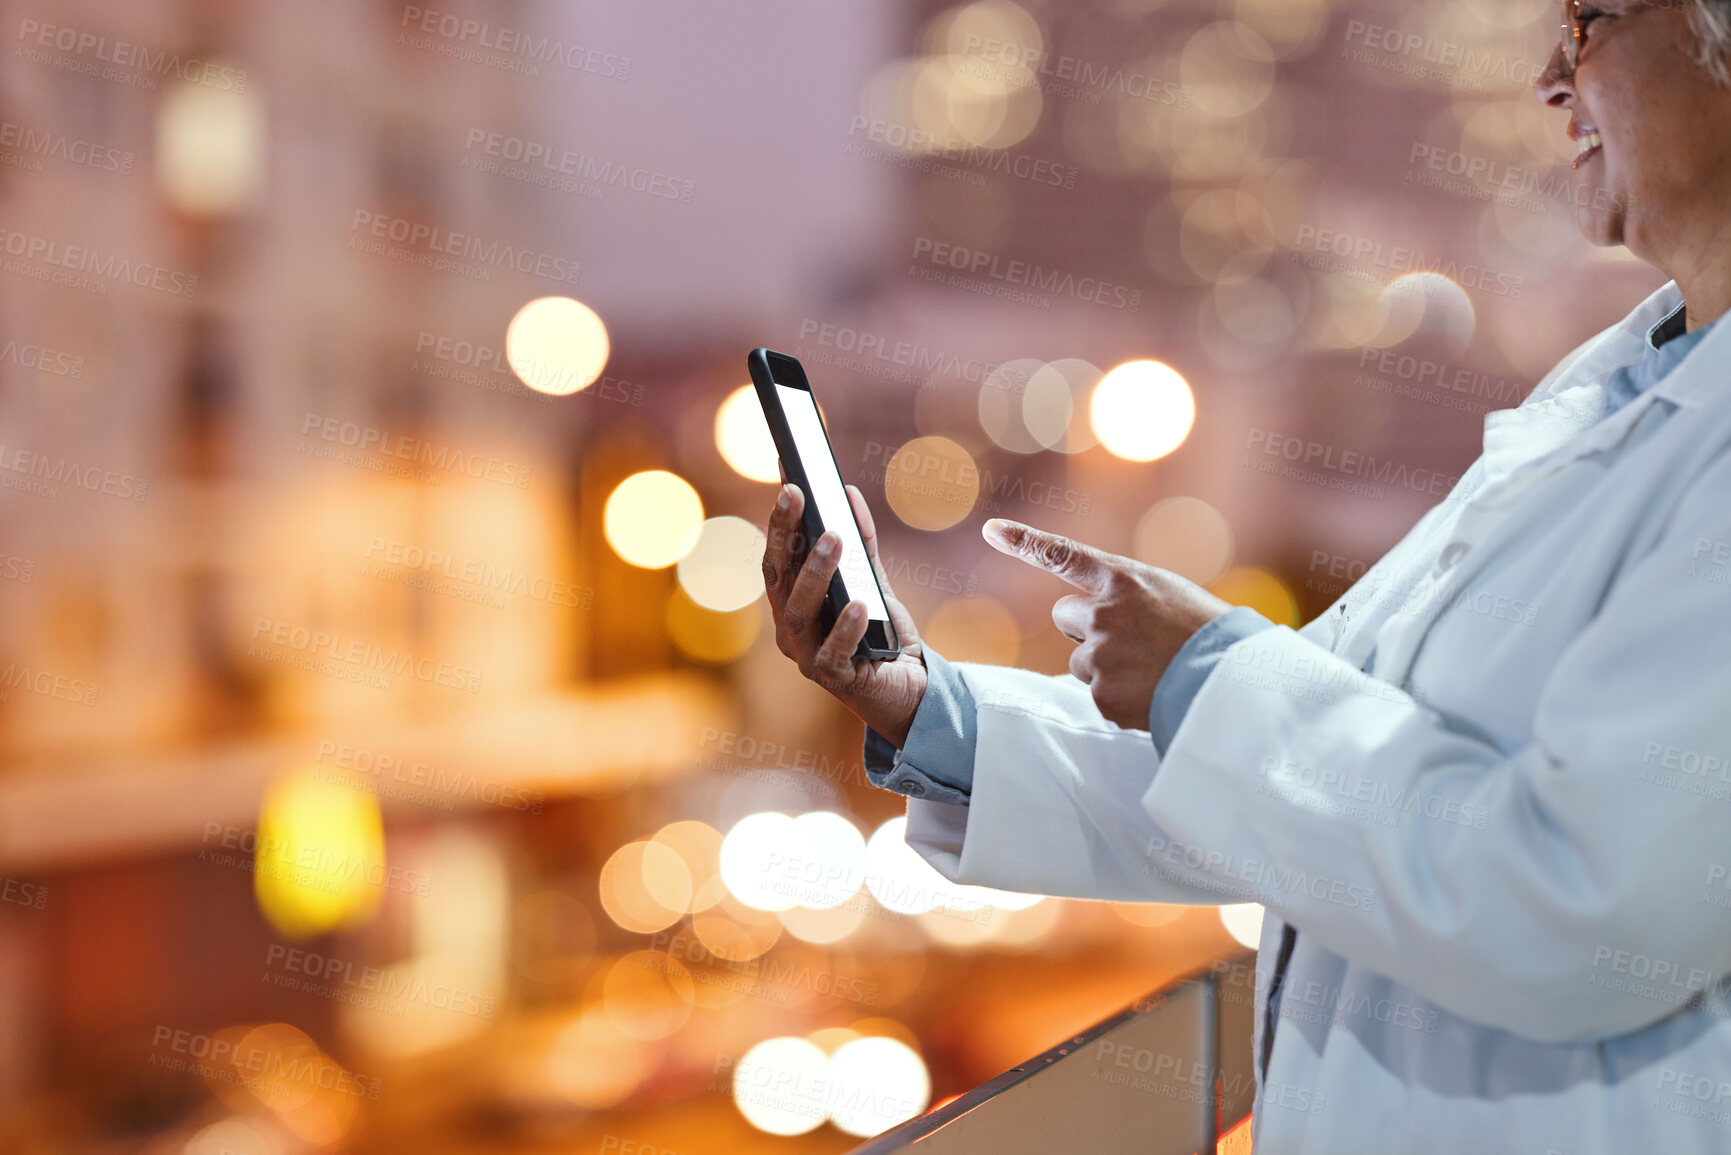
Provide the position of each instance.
(900, 879)
(594, 1064)
(1142, 410)
(931, 483)
(1185, 535)
(723, 570)
(974, 629)
(1261, 590)
(742, 436)
(556, 345)
(876, 1083)
(653, 518)
(645, 887)
(320, 863)
(210, 147)
(761, 857)
(836, 870)
(698, 845)
(704, 635)
(1243, 921)
(779, 1085)
(647, 995)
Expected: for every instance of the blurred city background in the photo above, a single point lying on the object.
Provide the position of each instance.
(395, 754)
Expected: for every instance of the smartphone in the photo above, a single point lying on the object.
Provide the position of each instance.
(806, 455)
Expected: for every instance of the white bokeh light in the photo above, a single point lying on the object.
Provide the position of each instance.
(875, 1083)
(904, 882)
(1243, 921)
(761, 857)
(1142, 410)
(779, 1085)
(837, 868)
(723, 571)
(743, 438)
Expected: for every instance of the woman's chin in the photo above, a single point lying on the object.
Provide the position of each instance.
(1599, 226)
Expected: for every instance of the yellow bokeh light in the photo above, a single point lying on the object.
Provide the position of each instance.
(1261, 591)
(645, 887)
(1004, 404)
(823, 926)
(556, 345)
(320, 862)
(706, 636)
(698, 845)
(729, 929)
(209, 148)
(648, 995)
(1055, 405)
(594, 1064)
(723, 571)
(1149, 913)
(1142, 410)
(974, 629)
(1185, 535)
(742, 437)
(1228, 67)
(1012, 34)
(652, 518)
(931, 483)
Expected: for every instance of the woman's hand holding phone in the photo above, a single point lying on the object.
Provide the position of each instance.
(884, 695)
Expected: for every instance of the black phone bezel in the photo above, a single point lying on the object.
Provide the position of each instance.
(769, 369)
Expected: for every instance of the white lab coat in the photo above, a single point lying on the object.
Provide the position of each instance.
(1506, 855)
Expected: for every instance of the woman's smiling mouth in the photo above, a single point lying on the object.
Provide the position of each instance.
(1587, 143)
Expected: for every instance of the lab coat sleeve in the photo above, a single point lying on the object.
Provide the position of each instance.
(1056, 800)
(1564, 891)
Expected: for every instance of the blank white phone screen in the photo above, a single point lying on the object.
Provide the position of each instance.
(832, 503)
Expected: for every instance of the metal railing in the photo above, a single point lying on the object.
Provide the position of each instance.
(1168, 1075)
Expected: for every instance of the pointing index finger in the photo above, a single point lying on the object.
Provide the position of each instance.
(1082, 566)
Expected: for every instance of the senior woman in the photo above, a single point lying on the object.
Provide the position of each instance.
(1494, 848)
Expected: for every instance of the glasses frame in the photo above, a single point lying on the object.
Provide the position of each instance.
(1572, 33)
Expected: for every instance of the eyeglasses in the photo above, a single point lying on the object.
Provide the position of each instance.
(1572, 32)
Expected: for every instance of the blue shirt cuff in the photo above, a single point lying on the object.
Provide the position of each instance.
(1183, 679)
(938, 761)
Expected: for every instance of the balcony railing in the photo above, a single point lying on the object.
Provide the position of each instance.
(1169, 1075)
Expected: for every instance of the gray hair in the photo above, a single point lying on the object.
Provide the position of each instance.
(1711, 20)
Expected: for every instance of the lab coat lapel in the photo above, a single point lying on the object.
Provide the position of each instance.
(1495, 515)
